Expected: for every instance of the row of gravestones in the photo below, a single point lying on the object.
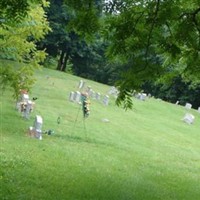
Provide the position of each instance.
(25, 106)
(189, 118)
(76, 96)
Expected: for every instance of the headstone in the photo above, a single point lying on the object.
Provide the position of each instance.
(24, 97)
(71, 96)
(98, 96)
(106, 100)
(177, 102)
(188, 106)
(28, 108)
(77, 97)
(113, 91)
(189, 118)
(88, 90)
(38, 126)
(199, 109)
(81, 84)
(90, 93)
(143, 96)
(93, 95)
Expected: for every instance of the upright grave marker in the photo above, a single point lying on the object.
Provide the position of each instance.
(106, 100)
(36, 130)
(71, 96)
(188, 118)
(77, 97)
(188, 106)
(28, 109)
(81, 84)
(98, 96)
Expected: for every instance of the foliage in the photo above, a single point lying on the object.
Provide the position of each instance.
(18, 43)
(176, 90)
(151, 36)
(15, 10)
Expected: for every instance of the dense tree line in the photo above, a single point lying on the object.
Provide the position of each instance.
(132, 44)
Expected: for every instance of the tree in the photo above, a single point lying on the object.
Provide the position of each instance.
(154, 39)
(18, 43)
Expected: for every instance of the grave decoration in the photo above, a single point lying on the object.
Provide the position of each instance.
(36, 130)
(49, 132)
(85, 104)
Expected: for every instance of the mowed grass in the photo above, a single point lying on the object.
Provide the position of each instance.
(147, 153)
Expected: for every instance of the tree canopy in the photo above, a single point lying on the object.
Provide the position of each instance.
(147, 41)
(18, 43)
(154, 39)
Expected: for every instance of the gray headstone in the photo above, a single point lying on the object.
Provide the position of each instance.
(98, 96)
(24, 97)
(27, 111)
(71, 96)
(188, 106)
(106, 100)
(177, 102)
(77, 97)
(143, 96)
(188, 118)
(38, 126)
(81, 84)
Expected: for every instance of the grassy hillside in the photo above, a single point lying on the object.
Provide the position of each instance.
(141, 154)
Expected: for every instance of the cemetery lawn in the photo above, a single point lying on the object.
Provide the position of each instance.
(147, 153)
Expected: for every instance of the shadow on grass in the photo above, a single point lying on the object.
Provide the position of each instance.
(83, 139)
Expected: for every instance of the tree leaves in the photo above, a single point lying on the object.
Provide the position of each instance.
(18, 43)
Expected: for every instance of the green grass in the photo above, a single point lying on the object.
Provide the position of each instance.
(147, 153)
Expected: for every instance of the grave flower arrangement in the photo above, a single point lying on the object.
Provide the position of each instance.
(85, 104)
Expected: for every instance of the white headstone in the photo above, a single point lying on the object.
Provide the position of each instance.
(106, 100)
(24, 97)
(189, 118)
(28, 109)
(90, 93)
(77, 97)
(71, 96)
(199, 109)
(38, 126)
(177, 102)
(81, 84)
(188, 106)
(143, 96)
(38, 122)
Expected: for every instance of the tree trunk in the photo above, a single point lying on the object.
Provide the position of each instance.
(65, 61)
(60, 61)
